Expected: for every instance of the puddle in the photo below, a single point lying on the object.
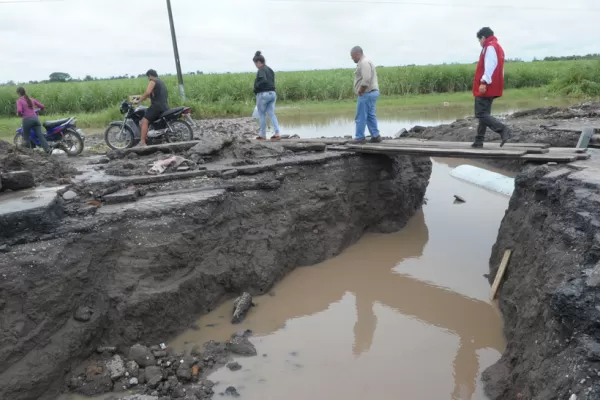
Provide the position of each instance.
(404, 315)
(391, 120)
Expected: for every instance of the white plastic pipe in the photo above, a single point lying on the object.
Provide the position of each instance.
(485, 179)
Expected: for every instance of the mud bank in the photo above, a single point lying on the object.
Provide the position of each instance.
(551, 291)
(141, 269)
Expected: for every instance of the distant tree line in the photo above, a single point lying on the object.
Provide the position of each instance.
(65, 77)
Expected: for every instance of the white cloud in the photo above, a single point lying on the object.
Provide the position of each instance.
(114, 37)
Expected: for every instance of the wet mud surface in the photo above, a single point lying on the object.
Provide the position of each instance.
(136, 259)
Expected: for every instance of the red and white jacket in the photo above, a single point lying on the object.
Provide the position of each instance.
(490, 69)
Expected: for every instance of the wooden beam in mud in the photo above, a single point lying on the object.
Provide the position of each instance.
(567, 150)
(433, 151)
(553, 157)
(500, 273)
(446, 144)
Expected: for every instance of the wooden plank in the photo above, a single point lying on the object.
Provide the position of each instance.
(464, 145)
(427, 143)
(562, 158)
(500, 273)
(567, 150)
(438, 152)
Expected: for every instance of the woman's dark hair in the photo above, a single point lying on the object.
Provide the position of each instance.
(258, 57)
(151, 73)
(21, 92)
(485, 32)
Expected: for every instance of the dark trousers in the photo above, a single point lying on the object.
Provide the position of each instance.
(34, 123)
(483, 111)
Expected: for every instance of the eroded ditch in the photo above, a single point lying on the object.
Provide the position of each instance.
(142, 271)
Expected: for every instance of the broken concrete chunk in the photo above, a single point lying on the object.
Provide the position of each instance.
(241, 305)
(122, 196)
(209, 144)
(116, 367)
(17, 180)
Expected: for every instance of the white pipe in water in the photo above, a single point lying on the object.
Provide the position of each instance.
(486, 179)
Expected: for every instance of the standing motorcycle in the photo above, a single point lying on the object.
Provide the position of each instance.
(169, 127)
(60, 134)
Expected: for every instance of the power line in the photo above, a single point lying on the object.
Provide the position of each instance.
(412, 3)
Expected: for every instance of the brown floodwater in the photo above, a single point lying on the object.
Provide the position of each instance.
(395, 316)
(392, 119)
(404, 315)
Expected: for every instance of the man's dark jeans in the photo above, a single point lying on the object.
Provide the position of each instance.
(483, 111)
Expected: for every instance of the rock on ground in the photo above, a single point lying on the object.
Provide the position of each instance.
(17, 180)
(241, 346)
(241, 306)
(141, 355)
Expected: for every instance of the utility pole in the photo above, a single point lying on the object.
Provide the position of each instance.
(179, 75)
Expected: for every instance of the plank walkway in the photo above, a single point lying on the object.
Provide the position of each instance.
(527, 152)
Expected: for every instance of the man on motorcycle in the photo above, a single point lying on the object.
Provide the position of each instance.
(159, 99)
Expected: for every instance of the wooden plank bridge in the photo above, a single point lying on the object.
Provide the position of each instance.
(532, 152)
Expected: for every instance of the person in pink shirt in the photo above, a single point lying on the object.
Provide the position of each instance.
(26, 109)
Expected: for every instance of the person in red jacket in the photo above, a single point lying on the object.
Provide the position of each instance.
(489, 85)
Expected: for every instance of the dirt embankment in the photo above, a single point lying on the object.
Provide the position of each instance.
(140, 272)
(551, 295)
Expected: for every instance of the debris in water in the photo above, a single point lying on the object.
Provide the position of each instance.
(231, 391)
(234, 366)
(241, 305)
(459, 199)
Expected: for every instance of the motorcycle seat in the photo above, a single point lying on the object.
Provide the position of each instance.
(54, 124)
(171, 111)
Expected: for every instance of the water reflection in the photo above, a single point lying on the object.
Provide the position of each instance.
(392, 119)
(394, 308)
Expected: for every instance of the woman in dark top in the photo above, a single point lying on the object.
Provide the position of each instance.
(264, 88)
(26, 109)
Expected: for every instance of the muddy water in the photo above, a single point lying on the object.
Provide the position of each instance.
(391, 120)
(404, 315)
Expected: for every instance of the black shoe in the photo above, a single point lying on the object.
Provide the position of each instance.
(477, 145)
(375, 139)
(506, 134)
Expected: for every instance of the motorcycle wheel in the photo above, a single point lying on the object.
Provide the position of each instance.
(126, 137)
(72, 143)
(19, 142)
(181, 131)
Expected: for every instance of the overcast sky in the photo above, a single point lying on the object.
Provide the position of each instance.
(115, 37)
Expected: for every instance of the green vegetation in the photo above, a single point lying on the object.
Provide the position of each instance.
(95, 102)
(229, 94)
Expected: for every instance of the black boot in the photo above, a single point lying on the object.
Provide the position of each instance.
(477, 145)
(505, 135)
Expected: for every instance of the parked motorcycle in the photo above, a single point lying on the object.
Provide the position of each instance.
(169, 127)
(60, 134)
